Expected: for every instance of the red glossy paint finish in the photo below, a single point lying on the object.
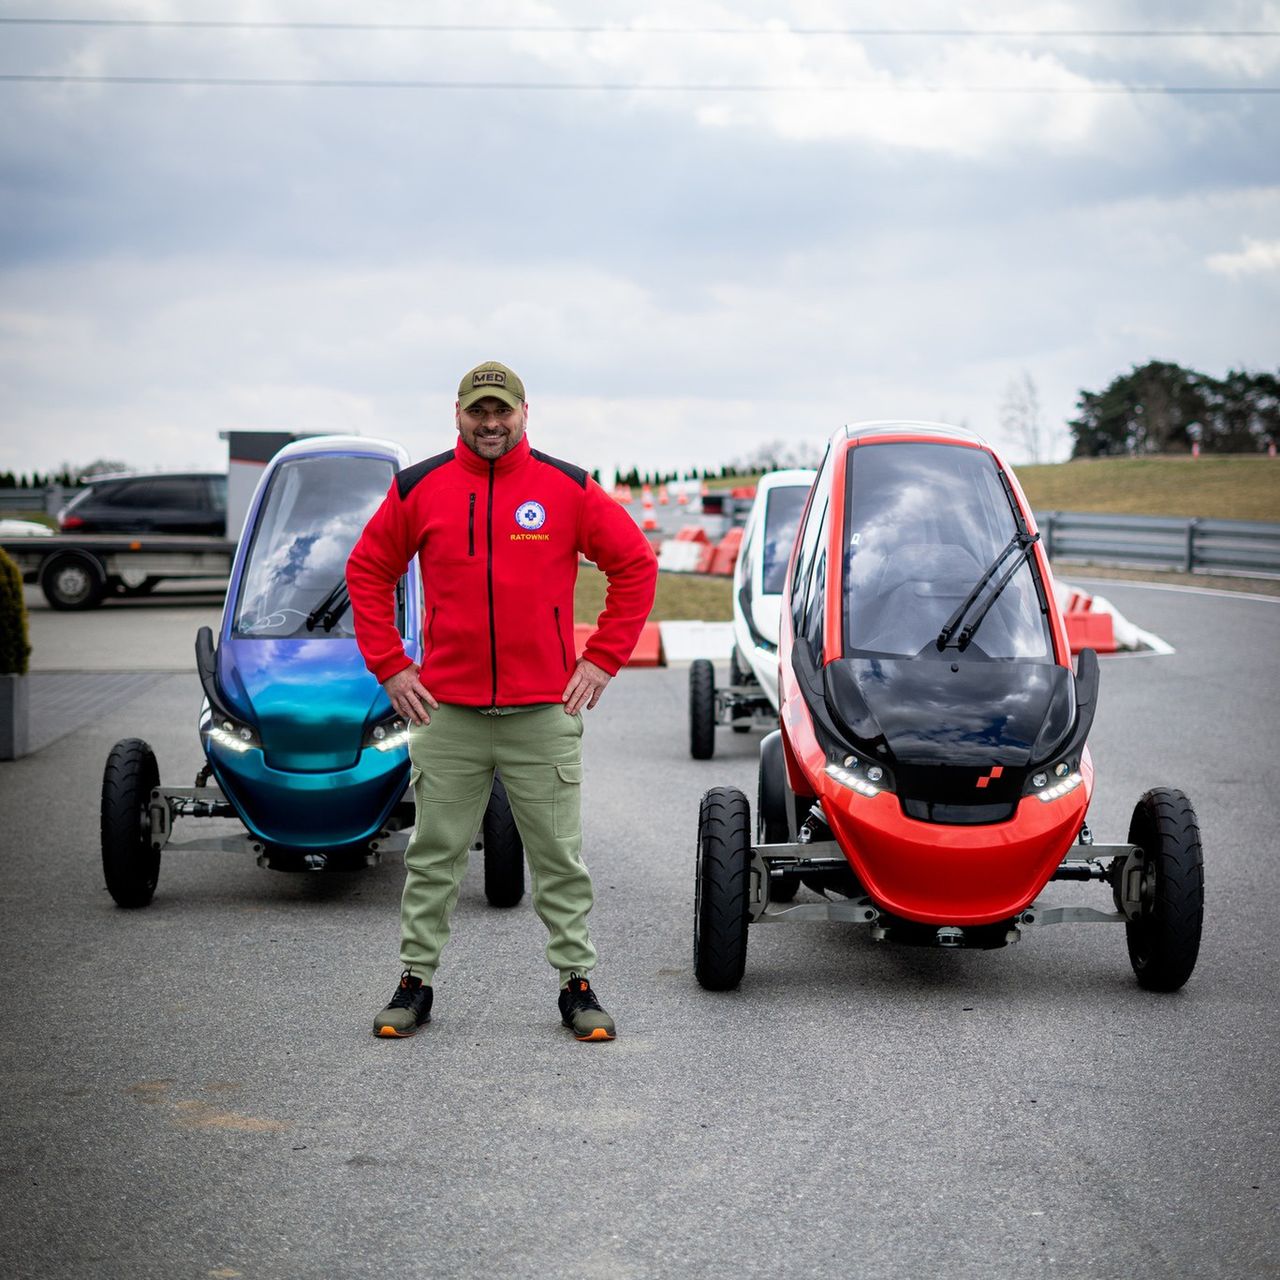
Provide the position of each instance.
(937, 874)
(923, 871)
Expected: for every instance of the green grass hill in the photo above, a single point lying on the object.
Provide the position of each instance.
(1222, 487)
(1225, 487)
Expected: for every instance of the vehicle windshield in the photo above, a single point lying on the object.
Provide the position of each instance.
(781, 518)
(314, 512)
(923, 523)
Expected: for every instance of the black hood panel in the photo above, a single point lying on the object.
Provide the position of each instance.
(930, 716)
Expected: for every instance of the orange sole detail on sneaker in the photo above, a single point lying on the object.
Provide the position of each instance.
(598, 1034)
(392, 1034)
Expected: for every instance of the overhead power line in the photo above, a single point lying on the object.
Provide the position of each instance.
(1014, 33)
(250, 82)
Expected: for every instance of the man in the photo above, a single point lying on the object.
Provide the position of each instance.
(499, 528)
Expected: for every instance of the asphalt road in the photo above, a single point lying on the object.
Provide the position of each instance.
(191, 1090)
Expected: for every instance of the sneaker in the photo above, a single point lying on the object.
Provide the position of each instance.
(581, 1011)
(410, 1007)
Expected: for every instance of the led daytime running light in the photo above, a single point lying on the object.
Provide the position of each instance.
(847, 778)
(391, 741)
(232, 741)
(1060, 789)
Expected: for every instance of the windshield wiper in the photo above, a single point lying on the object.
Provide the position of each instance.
(1022, 542)
(967, 633)
(331, 608)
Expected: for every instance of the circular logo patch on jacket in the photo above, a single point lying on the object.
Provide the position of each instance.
(530, 515)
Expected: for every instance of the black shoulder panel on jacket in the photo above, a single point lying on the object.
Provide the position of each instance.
(406, 479)
(576, 474)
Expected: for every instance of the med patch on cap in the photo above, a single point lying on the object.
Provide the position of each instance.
(490, 379)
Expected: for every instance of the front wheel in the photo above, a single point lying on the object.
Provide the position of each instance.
(503, 851)
(1164, 940)
(721, 886)
(772, 797)
(702, 709)
(130, 865)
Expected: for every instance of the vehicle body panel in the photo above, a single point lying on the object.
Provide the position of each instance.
(959, 727)
(760, 572)
(309, 777)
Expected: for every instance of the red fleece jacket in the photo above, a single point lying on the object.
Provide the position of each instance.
(498, 543)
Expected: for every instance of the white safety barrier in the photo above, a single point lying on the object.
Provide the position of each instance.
(1128, 636)
(684, 641)
(680, 557)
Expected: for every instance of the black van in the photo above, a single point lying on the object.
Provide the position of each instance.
(193, 503)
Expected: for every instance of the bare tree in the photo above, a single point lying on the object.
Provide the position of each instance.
(1020, 415)
(780, 455)
(98, 467)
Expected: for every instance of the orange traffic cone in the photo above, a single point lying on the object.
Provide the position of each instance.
(663, 497)
(649, 524)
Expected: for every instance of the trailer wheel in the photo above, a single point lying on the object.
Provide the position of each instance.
(721, 882)
(503, 851)
(73, 580)
(130, 866)
(702, 709)
(1165, 939)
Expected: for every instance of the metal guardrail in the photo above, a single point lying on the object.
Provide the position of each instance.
(24, 500)
(1205, 546)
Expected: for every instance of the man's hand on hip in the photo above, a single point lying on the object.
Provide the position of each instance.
(410, 696)
(584, 688)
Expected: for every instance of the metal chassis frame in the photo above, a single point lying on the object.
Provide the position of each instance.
(782, 859)
(169, 803)
(761, 713)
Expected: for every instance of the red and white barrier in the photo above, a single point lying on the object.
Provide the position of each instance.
(1093, 622)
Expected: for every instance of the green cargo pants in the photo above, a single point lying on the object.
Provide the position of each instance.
(539, 753)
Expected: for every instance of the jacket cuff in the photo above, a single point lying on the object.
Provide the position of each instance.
(609, 665)
(390, 666)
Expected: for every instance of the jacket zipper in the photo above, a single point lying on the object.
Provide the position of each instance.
(431, 622)
(564, 656)
(493, 632)
(471, 526)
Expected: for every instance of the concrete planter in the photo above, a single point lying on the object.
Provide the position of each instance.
(14, 716)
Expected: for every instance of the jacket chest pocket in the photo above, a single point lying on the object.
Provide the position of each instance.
(456, 532)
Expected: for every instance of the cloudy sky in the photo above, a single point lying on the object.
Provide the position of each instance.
(713, 225)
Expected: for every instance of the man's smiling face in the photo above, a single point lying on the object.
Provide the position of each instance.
(490, 427)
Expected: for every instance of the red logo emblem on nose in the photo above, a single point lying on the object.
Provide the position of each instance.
(986, 777)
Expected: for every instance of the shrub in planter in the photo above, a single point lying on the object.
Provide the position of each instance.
(15, 649)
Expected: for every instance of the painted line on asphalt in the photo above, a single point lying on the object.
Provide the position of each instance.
(1195, 591)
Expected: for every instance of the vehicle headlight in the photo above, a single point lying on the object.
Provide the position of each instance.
(1062, 784)
(387, 735)
(864, 777)
(1053, 781)
(232, 735)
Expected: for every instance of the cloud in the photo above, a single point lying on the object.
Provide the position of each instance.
(1256, 257)
(677, 275)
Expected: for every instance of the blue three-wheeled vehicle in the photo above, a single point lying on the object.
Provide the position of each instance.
(302, 747)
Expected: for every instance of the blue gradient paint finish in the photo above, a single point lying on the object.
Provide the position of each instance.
(311, 811)
(310, 784)
(312, 701)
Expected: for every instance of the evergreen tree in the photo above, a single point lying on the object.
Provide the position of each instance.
(1161, 407)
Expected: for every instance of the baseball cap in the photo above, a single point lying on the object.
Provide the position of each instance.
(490, 379)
